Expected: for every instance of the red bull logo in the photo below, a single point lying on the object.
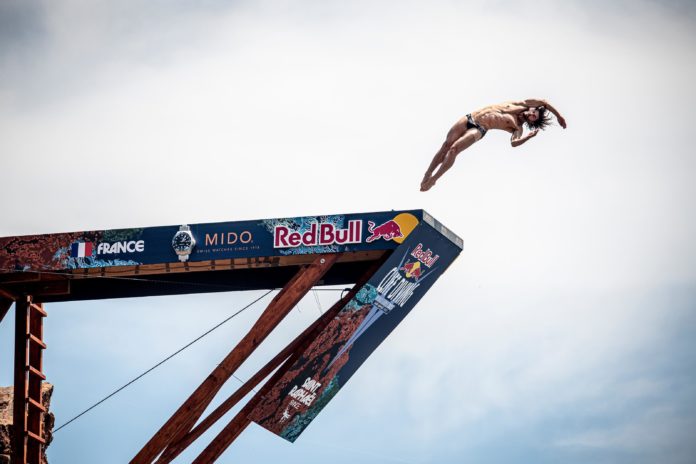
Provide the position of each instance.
(317, 235)
(388, 231)
(424, 256)
(412, 270)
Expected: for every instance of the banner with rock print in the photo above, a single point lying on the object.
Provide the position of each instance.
(336, 233)
(342, 347)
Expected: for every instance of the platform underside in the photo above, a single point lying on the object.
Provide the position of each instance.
(181, 278)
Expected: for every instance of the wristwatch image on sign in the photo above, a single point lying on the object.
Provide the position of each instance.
(183, 243)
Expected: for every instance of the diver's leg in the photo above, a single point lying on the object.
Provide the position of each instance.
(469, 138)
(438, 158)
(456, 132)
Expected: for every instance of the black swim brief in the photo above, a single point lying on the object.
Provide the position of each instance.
(470, 124)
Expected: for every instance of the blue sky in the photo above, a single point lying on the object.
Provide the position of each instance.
(563, 333)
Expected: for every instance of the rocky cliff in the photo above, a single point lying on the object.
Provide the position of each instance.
(6, 430)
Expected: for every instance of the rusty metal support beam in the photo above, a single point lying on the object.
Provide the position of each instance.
(183, 420)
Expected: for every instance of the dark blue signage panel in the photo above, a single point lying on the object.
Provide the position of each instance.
(378, 307)
(207, 242)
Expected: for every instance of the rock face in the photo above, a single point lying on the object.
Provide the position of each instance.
(6, 431)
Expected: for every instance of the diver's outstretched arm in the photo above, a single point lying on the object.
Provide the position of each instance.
(516, 140)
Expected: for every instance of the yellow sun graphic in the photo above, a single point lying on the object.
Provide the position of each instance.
(407, 222)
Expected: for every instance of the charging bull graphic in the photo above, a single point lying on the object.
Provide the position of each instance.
(388, 231)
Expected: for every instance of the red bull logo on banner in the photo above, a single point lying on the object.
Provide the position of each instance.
(396, 229)
(426, 257)
(322, 234)
(412, 270)
(388, 231)
(398, 285)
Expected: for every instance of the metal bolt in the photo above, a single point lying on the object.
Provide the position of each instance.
(322, 261)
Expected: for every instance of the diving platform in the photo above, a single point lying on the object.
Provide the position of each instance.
(388, 260)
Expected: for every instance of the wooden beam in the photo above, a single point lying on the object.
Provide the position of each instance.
(42, 288)
(8, 294)
(5, 306)
(35, 432)
(183, 420)
(19, 455)
(36, 288)
(6, 299)
(178, 447)
(24, 276)
(142, 270)
(297, 345)
(240, 421)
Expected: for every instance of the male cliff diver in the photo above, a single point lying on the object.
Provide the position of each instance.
(510, 117)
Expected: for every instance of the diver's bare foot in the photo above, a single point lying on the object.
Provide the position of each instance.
(427, 185)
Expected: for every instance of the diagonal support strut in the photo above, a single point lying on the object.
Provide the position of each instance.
(183, 420)
(298, 345)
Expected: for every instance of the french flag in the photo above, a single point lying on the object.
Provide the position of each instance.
(81, 250)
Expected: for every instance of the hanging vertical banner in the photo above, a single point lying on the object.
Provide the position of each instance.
(349, 339)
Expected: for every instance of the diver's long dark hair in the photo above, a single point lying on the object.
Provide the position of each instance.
(543, 122)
